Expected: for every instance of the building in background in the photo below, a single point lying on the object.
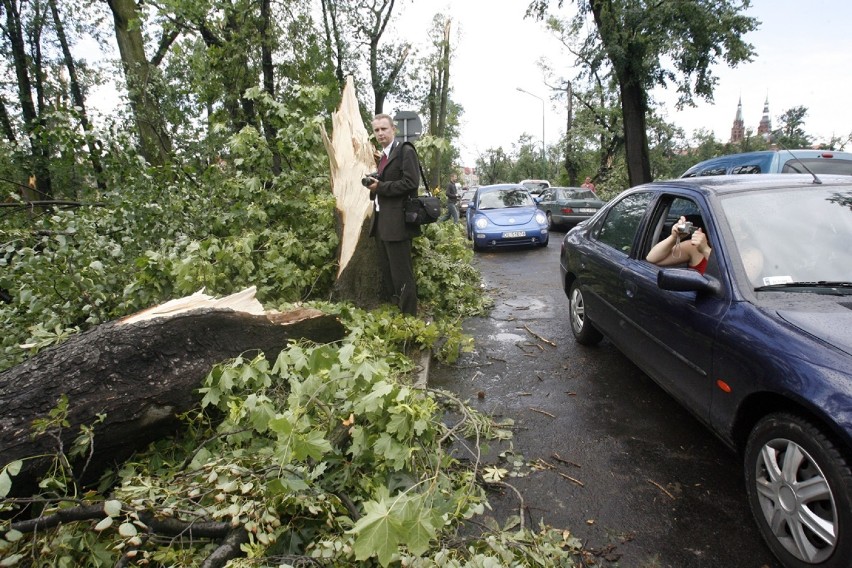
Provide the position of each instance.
(738, 129)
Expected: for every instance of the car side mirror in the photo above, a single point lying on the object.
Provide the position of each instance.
(687, 280)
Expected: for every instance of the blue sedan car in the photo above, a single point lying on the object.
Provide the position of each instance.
(758, 347)
(505, 215)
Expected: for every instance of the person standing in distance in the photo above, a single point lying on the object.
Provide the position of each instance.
(398, 180)
(588, 184)
(452, 200)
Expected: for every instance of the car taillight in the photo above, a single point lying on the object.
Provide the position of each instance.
(567, 210)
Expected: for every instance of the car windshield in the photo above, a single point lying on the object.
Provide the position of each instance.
(793, 239)
(502, 198)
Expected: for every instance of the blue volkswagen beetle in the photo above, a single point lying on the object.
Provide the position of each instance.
(758, 347)
(505, 215)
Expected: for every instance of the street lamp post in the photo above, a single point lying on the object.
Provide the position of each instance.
(543, 158)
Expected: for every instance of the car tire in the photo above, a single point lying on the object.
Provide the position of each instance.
(549, 220)
(585, 333)
(800, 492)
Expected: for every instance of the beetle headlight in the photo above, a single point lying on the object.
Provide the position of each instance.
(481, 222)
(540, 218)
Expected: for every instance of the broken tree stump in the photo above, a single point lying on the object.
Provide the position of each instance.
(352, 156)
(141, 372)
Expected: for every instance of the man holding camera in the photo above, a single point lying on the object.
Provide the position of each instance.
(396, 180)
(686, 244)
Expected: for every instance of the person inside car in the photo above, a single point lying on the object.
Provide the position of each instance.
(684, 245)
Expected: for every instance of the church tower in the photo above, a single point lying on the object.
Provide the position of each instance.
(738, 130)
(765, 126)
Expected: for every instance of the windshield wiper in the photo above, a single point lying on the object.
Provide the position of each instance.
(817, 284)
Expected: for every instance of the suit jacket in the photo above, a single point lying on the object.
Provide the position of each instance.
(397, 183)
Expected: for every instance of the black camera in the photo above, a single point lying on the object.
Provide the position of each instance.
(367, 180)
(685, 229)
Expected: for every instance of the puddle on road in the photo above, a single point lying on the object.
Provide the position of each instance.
(507, 337)
(523, 309)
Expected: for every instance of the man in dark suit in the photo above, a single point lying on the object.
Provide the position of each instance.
(398, 180)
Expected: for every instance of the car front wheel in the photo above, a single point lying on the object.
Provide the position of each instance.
(584, 331)
(800, 492)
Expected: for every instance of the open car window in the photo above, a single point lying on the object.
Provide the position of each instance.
(618, 229)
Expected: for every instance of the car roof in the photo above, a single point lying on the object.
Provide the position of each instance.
(764, 158)
(723, 185)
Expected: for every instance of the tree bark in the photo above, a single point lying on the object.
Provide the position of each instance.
(351, 157)
(39, 187)
(140, 373)
(155, 144)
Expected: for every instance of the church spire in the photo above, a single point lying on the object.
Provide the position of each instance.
(765, 126)
(738, 129)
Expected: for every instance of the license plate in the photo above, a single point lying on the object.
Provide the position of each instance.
(586, 210)
(513, 234)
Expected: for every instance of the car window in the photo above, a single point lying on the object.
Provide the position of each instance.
(818, 166)
(547, 195)
(619, 227)
(746, 169)
(505, 198)
(718, 170)
(585, 194)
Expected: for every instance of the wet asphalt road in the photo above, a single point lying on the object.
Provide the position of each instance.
(617, 461)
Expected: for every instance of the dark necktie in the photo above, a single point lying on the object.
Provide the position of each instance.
(383, 162)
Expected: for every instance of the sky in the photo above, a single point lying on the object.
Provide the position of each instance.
(804, 58)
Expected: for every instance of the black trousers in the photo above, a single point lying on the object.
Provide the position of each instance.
(398, 274)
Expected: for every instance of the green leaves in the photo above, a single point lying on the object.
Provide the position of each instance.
(389, 524)
(6, 474)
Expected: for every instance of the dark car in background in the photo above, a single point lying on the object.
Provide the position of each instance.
(505, 215)
(775, 162)
(464, 199)
(758, 348)
(566, 206)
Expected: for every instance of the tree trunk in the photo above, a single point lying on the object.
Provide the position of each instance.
(635, 135)
(39, 186)
(141, 372)
(352, 156)
(155, 144)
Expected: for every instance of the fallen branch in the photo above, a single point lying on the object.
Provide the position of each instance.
(537, 336)
(661, 488)
(569, 478)
(563, 460)
(542, 412)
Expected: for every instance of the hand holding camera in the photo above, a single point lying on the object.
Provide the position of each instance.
(685, 229)
(368, 180)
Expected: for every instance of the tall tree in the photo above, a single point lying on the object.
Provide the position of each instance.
(27, 68)
(791, 132)
(632, 37)
(154, 140)
(355, 29)
(77, 94)
(439, 89)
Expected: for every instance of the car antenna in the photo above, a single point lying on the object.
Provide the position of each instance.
(772, 138)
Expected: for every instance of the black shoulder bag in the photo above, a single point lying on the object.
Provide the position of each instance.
(423, 209)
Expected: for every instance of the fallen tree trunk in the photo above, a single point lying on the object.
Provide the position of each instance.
(141, 372)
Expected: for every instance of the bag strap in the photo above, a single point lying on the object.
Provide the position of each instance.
(419, 165)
